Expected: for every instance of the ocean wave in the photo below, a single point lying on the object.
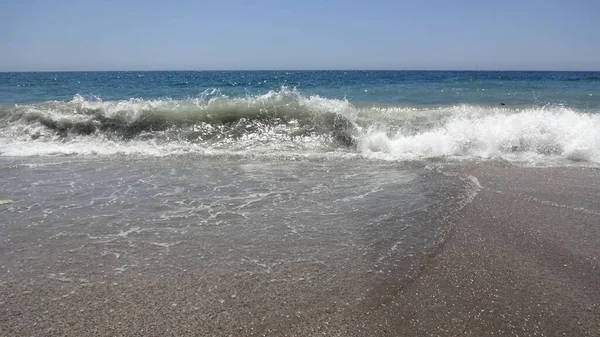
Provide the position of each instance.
(286, 122)
(210, 117)
(531, 135)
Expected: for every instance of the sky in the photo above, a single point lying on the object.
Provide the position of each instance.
(80, 35)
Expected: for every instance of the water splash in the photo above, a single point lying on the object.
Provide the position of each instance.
(287, 123)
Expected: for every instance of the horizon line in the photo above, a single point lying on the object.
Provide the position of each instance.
(298, 70)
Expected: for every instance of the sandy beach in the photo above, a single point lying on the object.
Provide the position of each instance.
(522, 260)
(531, 269)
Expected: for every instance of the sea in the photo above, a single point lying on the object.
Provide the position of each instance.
(275, 192)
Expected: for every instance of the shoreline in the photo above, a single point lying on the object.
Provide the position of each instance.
(521, 260)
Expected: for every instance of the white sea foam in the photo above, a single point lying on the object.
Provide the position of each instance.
(533, 135)
(289, 124)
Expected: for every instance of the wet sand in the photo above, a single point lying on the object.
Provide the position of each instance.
(523, 259)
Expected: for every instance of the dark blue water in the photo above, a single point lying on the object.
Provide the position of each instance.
(409, 88)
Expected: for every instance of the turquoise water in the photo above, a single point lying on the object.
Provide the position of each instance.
(410, 88)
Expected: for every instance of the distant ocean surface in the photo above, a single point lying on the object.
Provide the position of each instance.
(323, 188)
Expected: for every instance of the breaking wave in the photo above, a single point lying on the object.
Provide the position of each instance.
(531, 135)
(286, 122)
(198, 119)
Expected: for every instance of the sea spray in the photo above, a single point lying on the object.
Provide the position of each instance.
(288, 123)
(532, 134)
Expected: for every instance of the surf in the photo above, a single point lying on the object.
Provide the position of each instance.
(287, 122)
(533, 134)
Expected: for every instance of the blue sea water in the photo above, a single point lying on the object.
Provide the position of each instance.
(406, 88)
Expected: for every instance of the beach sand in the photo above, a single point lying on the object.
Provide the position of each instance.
(522, 259)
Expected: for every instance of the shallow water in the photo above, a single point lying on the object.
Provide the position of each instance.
(329, 232)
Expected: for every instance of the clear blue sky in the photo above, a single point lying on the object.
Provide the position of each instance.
(301, 34)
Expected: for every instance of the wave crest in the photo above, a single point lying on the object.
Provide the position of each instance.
(209, 117)
(287, 122)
